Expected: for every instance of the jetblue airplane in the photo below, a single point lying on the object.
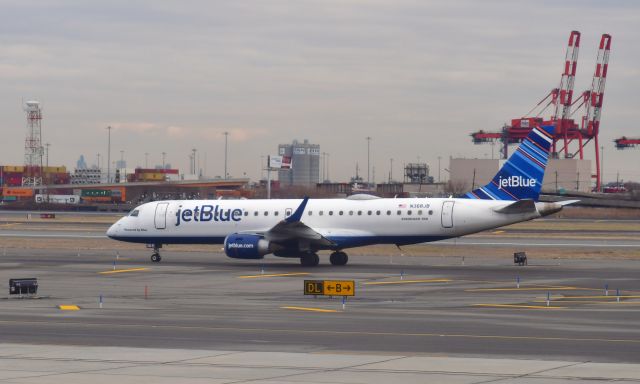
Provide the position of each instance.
(299, 228)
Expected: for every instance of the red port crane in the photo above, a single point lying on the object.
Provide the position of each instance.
(626, 142)
(567, 130)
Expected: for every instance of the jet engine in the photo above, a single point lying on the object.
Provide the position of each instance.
(246, 246)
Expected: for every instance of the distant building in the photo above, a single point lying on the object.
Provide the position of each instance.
(305, 158)
(81, 163)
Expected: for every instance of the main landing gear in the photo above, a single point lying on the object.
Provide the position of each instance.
(155, 256)
(338, 258)
(311, 259)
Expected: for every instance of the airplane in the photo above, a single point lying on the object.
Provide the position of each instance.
(299, 228)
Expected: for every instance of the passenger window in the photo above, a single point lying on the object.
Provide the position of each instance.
(330, 213)
(388, 213)
(321, 213)
(420, 212)
(310, 213)
(369, 213)
(409, 212)
(399, 212)
(340, 213)
(350, 213)
(431, 212)
(255, 213)
(276, 213)
(359, 213)
(246, 213)
(134, 213)
(266, 213)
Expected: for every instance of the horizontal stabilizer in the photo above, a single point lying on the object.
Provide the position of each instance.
(566, 202)
(520, 206)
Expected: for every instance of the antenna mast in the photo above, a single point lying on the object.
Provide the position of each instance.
(33, 149)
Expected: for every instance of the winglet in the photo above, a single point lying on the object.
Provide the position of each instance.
(297, 215)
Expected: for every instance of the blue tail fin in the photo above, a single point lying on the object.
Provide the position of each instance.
(521, 176)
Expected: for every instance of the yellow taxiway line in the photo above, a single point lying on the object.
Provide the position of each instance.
(122, 271)
(516, 306)
(407, 282)
(311, 309)
(273, 275)
(69, 307)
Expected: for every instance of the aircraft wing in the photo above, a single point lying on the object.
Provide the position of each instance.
(293, 229)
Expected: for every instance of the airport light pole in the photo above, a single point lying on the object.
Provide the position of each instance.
(226, 137)
(193, 162)
(601, 168)
(368, 162)
(109, 155)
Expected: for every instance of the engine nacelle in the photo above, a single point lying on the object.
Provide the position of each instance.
(240, 246)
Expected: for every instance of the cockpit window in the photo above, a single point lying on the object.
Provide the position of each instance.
(135, 213)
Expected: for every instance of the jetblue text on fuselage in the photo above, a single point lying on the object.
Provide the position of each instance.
(203, 213)
(515, 181)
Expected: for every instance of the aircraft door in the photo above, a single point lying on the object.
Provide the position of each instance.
(161, 215)
(447, 214)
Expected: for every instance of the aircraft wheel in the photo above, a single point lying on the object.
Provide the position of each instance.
(310, 260)
(338, 258)
(156, 258)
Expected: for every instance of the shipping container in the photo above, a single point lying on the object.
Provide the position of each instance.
(57, 199)
(96, 193)
(21, 192)
(54, 169)
(97, 199)
(13, 168)
(152, 176)
(9, 198)
(116, 194)
(140, 171)
(13, 181)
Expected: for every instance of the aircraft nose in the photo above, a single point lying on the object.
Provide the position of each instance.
(113, 230)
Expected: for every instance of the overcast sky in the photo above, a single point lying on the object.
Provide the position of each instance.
(416, 76)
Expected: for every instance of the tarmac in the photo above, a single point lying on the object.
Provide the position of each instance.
(198, 316)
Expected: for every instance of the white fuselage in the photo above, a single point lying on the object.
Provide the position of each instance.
(346, 222)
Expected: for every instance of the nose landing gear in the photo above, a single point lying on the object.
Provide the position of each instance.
(155, 256)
